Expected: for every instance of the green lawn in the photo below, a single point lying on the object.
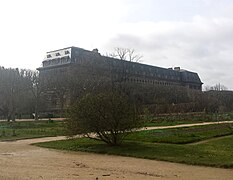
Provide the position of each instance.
(185, 118)
(216, 153)
(182, 135)
(33, 129)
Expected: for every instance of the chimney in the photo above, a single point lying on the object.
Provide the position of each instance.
(95, 50)
(176, 68)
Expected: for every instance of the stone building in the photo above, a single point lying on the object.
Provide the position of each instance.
(60, 66)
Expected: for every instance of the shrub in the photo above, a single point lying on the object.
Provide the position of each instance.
(110, 116)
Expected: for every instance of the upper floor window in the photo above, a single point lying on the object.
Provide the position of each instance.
(49, 56)
(67, 52)
(58, 54)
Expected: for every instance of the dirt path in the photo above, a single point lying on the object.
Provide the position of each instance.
(20, 160)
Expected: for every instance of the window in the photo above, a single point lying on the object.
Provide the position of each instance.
(49, 56)
(58, 54)
(67, 52)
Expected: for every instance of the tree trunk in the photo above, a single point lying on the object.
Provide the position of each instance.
(36, 109)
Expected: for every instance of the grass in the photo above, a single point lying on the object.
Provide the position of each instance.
(185, 118)
(217, 153)
(182, 135)
(167, 144)
(32, 129)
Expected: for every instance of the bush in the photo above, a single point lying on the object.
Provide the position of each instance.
(110, 116)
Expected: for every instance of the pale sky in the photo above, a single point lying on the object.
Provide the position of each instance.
(196, 35)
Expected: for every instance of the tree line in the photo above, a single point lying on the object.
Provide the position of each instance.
(22, 92)
(19, 92)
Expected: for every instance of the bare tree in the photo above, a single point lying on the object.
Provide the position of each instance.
(35, 86)
(10, 90)
(126, 54)
(58, 84)
(29, 90)
(134, 57)
(216, 87)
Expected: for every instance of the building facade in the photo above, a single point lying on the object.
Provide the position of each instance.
(60, 66)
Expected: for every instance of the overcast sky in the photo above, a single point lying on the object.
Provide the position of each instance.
(196, 35)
